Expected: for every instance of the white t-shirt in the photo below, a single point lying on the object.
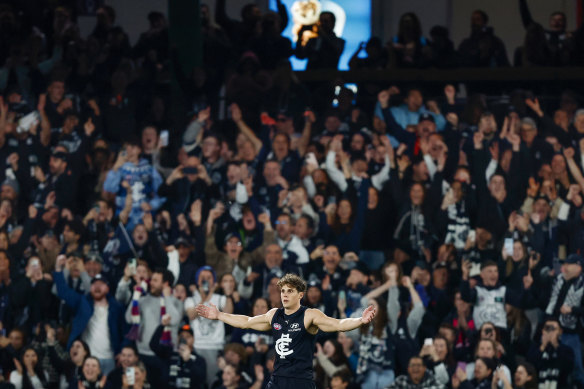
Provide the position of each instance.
(16, 380)
(97, 335)
(209, 334)
(295, 245)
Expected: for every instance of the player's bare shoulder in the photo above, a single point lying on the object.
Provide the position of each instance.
(309, 316)
(262, 322)
(270, 315)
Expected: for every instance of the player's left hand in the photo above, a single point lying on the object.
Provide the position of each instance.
(368, 314)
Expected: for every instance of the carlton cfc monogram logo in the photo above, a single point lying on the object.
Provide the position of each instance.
(282, 346)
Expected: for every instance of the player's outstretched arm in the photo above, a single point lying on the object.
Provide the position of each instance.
(329, 324)
(259, 323)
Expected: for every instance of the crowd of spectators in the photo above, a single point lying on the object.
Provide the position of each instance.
(553, 45)
(460, 219)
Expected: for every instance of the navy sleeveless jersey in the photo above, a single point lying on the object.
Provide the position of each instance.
(294, 345)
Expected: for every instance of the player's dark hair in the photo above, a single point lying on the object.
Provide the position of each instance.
(294, 281)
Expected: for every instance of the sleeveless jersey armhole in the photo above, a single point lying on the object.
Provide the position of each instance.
(309, 327)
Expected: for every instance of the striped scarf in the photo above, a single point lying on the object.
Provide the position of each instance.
(572, 299)
(166, 337)
(135, 320)
(134, 332)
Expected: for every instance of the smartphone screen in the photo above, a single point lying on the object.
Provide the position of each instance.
(509, 246)
(311, 158)
(130, 376)
(164, 138)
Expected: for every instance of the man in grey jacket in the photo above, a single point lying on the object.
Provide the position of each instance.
(150, 317)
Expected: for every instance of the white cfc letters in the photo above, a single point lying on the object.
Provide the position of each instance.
(282, 346)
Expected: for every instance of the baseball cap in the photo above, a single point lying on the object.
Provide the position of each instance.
(184, 242)
(13, 184)
(60, 155)
(314, 283)
(426, 116)
(285, 113)
(361, 267)
(231, 235)
(99, 277)
(575, 259)
(208, 268)
(92, 256)
(422, 265)
(529, 122)
(440, 265)
(186, 328)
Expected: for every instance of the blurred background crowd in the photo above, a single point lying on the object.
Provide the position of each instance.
(134, 187)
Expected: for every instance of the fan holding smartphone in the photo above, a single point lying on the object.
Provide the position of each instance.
(183, 365)
(135, 377)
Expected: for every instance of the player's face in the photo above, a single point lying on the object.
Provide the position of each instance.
(290, 297)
